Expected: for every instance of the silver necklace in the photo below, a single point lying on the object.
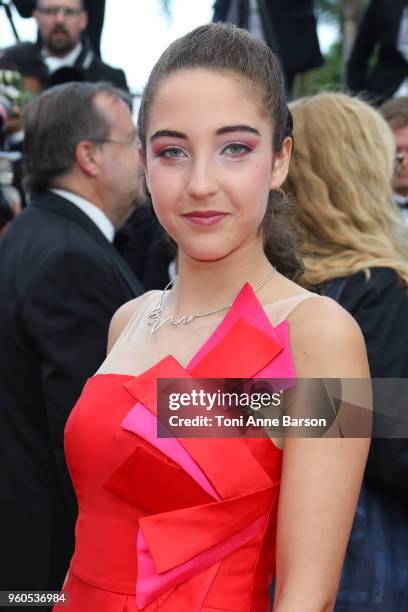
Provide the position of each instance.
(155, 317)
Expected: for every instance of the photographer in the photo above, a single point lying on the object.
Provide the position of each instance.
(22, 76)
(64, 50)
(94, 8)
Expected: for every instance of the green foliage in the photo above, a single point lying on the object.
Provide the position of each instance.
(333, 10)
(330, 75)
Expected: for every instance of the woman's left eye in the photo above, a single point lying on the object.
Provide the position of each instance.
(236, 149)
(171, 153)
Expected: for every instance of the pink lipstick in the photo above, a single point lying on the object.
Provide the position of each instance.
(205, 217)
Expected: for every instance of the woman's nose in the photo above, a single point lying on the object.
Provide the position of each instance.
(202, 181)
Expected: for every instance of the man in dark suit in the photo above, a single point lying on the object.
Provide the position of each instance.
(383, 33)
(94, 8)
(61, 280)
(287, 26)
(63, 48)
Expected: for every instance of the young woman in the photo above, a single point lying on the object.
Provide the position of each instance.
(194, 524)
(356, 245)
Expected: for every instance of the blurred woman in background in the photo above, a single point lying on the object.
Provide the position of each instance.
(355, 249)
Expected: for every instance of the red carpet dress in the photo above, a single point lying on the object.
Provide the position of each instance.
(175, 524)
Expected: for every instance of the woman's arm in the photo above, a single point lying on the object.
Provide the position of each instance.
(321, 477)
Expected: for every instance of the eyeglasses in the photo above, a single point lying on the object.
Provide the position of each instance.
(53, 11)
(398, 163)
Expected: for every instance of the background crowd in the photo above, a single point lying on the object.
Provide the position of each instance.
(79, 239)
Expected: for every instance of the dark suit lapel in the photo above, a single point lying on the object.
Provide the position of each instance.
(86, 57)
(60, 206)
(126, 272)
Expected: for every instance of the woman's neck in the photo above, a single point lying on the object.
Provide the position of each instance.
(203, 286)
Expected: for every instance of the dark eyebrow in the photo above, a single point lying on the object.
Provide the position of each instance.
(224, 130)
(171, 133)
(237, 128)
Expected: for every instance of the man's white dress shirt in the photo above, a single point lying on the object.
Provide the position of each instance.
(93, 212)
(55, 63)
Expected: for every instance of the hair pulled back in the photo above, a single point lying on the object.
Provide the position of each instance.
(224, 47)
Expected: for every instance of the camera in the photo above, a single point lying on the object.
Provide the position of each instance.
(12, 94)
(6, 110)
(10, 199)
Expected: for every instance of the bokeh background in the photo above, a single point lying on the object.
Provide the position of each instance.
(137, 31)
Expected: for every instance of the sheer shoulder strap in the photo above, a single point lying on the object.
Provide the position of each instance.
(280, 310)
(147, 302)
(130, 335)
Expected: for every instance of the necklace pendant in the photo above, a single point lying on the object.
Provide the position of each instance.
(154, 319)
(155, 323)
(183, 320)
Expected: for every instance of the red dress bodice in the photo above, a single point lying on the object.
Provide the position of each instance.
(183, 525)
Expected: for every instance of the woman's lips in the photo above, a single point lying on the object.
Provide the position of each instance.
(208, 217)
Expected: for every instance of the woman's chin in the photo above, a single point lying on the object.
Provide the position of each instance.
(206, 255)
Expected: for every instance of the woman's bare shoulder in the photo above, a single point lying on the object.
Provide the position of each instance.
(125, 313)
(321, 314)
(326, 341)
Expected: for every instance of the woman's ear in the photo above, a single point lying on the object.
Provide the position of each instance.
(281, 163)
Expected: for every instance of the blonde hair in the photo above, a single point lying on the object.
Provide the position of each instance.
(340, 177)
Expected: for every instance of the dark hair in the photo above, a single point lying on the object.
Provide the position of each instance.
(24, 58)
(55, 122)
(224, 47)
(81, 2)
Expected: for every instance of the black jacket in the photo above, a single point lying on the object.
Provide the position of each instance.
(374, 573)
(378, 29)
(94, 70)
(88, 66)
(60, 283)
(380, 307)
(290, 28)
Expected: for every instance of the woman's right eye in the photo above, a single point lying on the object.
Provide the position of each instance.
(172, 153)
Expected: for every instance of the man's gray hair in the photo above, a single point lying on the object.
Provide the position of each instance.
(55, 123)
